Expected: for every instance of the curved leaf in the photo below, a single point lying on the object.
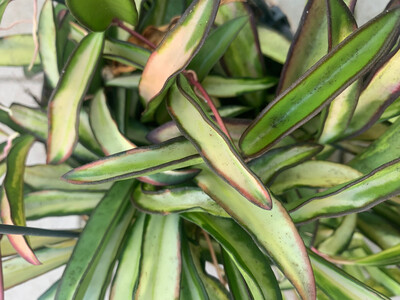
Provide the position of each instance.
(12, 199)
(323, 82)
(97, 15)
(66, 99)
(358, 195)
(273, 44)
(214, 147)
(282, 243)
(141, 161)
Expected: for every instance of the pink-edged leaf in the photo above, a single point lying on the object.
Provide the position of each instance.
(12, 199)
(175, 52)
(66, 99)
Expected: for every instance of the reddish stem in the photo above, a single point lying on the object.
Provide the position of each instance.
(137, 35)
(190, 75)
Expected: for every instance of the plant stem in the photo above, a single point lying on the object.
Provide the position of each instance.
(214, 258)
(132, 32)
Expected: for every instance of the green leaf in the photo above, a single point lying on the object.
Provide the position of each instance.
(382, 90)
(141, 161)
(160, 271)
(16, 270)
(36, 242)
(231, 87)
(59, 203)
(176, 200)
(175, 52)
(48, 177)
(3, 6)
(273, 44)
(50, 293)
(276, 160)
(282, 243)
(323, 82)
(314, 173)
(127, 273)
(242, 251)
(246, 42)
(337, 283)
(95, 240)
(47, 43)
(12, 198)
(381, 151)
(98, 15)
(357, 195)
(215, 46)
(213, 145)
(24, 230)
(128, 82)
(67, 97)
(17, 50)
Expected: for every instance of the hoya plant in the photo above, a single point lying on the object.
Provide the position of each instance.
(210, 153)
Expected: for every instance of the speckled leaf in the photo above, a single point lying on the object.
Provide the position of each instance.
(12, 199)
(67, 97)
(175, 201)
(213, 145)
(98, 15)
(161, 233)
(97, 236)
(127, 273)
(59, 203)
(141, 161)
(322, 83)
(282, 243)
(47, 43)
(215, 46)
(175, 52)
(337, 283)
(231, 87)
(17, 50)
(242, 251)
(314, 173)
(17, 271)
(382, 90)
(358, 195)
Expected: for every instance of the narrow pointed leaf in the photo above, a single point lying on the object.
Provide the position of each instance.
(16, 270)
(160, 271)
(230, 87)
(17, 50)
(241, 249)
(213, 145)
(381, 91)
(175, 52)
(37, 242)
(337, 283)
(98, 16)
(176, 200)
(67, 97)
(3, 6)
(215, 46)
(276, 160)
(48, 177)
(358, 195)
(47, 43)
(50, 293)
(322, 174)
(12, 199)
(59, 203)
(93, 240)
(323, 82)
(127, 273)
(24, 230)
(141, 161)
(282, 243)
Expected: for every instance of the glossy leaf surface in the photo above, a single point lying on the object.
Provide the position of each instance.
(66, 99)
(326, 79)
